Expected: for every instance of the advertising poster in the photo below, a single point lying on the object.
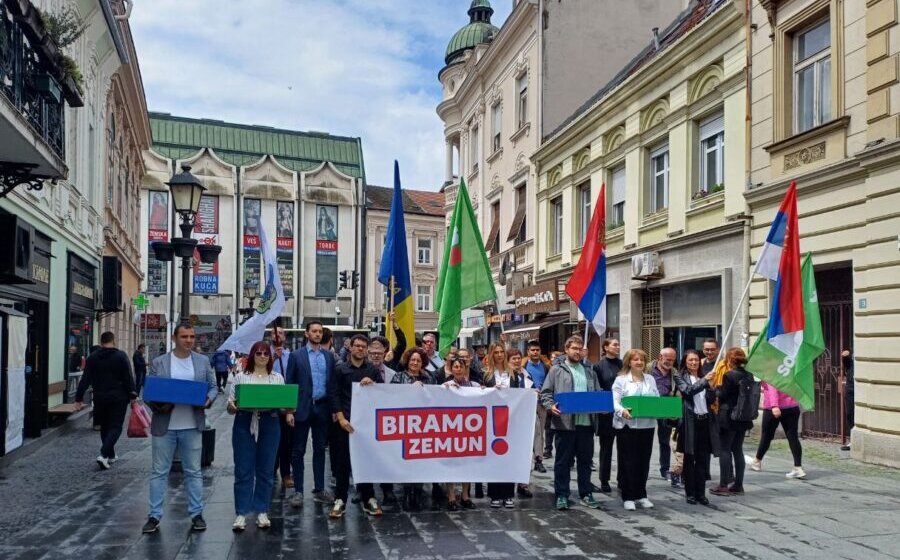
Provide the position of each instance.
(284, 242)
(212, 331)
(252, 213)
(326, 251)
(157, 230)
(206, 230)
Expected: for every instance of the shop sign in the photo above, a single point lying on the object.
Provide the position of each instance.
(82, 290)
(540, 298)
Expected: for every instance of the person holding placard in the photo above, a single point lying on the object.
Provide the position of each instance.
(254, 440)
(413, 363)
(459, 378)
(634, 436)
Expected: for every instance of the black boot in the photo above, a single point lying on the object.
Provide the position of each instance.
(407, 499)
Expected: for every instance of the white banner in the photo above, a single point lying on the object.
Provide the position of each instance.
(17, 327)
(407, 433)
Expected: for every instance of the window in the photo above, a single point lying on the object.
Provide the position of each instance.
(497, 126)
(617, 210)
(556, 225)
(612, 315)
(812, 76)
(712, 154)
(492, 245)
(423, 250)
(584, 208)
(517, 231)
(659, 180)
(474, 151)
(522, 101)
(423, 298)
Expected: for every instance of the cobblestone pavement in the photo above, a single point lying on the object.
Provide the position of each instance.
(54, 503)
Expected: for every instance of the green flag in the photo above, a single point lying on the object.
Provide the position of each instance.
(793, 376)
(465, 276)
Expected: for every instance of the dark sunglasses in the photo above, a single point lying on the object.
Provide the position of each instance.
(262, 353)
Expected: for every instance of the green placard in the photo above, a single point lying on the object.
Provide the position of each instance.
(252, 396)
(653, 407)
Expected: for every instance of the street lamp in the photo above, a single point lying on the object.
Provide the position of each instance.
(186, 191)
(250, 293)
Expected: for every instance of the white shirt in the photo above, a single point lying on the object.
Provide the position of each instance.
(182, 417)
(699, 398)
(626, 386)
(501, 379)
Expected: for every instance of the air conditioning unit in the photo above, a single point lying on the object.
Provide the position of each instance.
(112, 284)
(15, 250)
(646, 266)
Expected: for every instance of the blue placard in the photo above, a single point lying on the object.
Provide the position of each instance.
(175, 391)
(585, 402)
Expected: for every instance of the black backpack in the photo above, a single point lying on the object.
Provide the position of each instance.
(746, 409)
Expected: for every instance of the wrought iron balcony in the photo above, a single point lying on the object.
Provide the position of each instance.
(33, 93)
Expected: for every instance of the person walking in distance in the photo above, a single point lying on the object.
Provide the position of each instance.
(254, 440)
(537, 370)
(310, 368)
(220, 364)
(779, 408)
(695, 431)
(139, 361)
(280, 355)
(108, 372)
(663, 374)
(574, 432)
(340, 391)
(634, 436)
(179, 427)
(732, 431)
(607, 370)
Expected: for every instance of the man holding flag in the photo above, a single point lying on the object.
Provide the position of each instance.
(394, 273)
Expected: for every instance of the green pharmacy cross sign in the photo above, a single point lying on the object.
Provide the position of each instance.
(141, 302)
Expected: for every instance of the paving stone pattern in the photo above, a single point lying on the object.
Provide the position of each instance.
(55, 503)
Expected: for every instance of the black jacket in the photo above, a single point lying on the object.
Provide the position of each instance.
(606, 370)
(728, 396)
(398, 350)
(139, 362)
(108, 371)
(340, 384)
(688, 434)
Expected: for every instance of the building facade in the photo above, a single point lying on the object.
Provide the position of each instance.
(305, 189)
(491, 128)
(54, 160)
(667, 138)
(839, 142)
(425, 233)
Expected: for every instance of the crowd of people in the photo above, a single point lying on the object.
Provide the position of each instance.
(715, 418)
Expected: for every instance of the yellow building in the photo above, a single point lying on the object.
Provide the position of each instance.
(825, 113)
(667, 137)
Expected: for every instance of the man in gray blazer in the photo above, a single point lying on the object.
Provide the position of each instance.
(179, 426)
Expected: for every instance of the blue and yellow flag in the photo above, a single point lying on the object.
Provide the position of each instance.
(395, 268)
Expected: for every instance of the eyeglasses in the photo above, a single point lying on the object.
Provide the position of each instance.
(262, 353)
(375, 353)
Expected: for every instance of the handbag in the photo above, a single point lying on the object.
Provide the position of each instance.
(139, 423)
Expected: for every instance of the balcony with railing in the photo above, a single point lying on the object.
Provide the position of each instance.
(34, 89)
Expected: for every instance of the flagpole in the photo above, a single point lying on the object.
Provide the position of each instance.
(734, 317)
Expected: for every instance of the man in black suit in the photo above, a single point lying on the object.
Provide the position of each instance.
(309, 368)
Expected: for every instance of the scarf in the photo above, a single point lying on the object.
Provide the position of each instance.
(718, 377)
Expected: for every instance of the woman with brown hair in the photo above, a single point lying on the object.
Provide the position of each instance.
(695, 430)
(732, 432)
(413, 373)
(459, 378)
(254, 440)
(511, 376)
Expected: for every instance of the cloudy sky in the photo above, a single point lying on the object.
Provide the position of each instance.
(363, 68)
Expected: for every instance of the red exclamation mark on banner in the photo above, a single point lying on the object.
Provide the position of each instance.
(500, 415)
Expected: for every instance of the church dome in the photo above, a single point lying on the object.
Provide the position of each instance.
(479, 30)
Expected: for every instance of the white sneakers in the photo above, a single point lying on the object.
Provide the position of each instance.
(629, 505)
(645, 503)
(754, 463)
(263, 521)
(240, 523)
(796, 472)
(103, 462)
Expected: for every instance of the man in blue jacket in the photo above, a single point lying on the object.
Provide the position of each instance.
(220, 363)
(309, 368)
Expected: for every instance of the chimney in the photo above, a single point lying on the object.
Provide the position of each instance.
(656, 38)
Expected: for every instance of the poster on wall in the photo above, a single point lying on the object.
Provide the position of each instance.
(157, 230)
(211, 331)
(206, 230)
(17, 330)
(284, 242)
(326, 251)
(252, 213)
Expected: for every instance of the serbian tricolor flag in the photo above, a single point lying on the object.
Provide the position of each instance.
(587, 287)
(782, 246)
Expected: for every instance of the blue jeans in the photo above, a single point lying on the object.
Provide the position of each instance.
(189, 444)
(318, 421)
(254, 461)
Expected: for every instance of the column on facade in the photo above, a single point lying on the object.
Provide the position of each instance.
(633, 179)
(680, 140)
(735, 152)
(448, 143)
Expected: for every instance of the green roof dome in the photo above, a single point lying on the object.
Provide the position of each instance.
(479, 30)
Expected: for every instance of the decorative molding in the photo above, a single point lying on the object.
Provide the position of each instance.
(614, 138)
(554, 176)
(654, 114)
(804, 156)
(836, 124)
(705, 82)
(582, 159)
(524, 130)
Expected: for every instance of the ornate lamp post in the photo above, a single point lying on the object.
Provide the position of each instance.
(186, 192)
(250, 293)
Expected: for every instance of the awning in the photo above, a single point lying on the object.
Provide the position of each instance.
(530, 330)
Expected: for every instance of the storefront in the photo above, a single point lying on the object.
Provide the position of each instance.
(80, 306)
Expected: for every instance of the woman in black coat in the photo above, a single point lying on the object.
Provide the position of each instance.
(695, 430)
(731, 432)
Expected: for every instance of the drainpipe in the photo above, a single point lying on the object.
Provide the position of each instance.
(748, 121)
(364, 242)
(239, 243)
